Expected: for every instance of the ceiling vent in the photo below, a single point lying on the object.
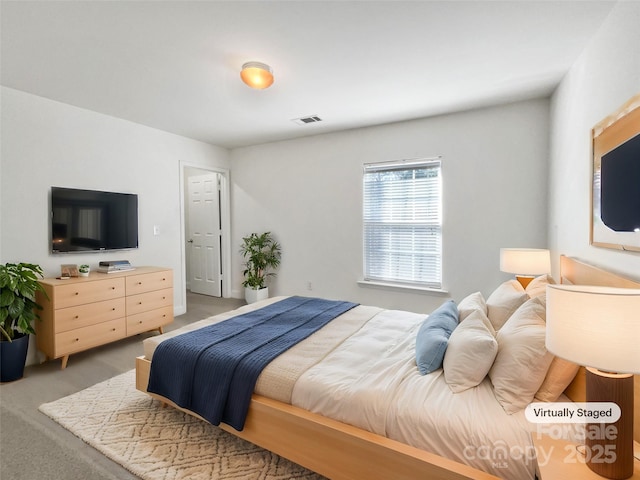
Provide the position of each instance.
(306, 120)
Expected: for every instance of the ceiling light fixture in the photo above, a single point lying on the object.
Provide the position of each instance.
(257, 75)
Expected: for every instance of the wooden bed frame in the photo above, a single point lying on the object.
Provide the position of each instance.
(340, 451)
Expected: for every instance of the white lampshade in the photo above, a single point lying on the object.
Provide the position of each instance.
(525, 261)
(595, 326)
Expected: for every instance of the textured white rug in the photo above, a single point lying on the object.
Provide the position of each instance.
(158, 443)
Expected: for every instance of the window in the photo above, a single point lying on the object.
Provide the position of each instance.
(403, 223)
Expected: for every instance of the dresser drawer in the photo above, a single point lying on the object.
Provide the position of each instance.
(143, 322)
(87, 337)
(81, 293)
(90, 314)
(149, 301)
(148, 282)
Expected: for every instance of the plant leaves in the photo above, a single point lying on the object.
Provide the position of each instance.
(6, 297)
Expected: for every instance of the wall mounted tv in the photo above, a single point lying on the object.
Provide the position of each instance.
(92, 221)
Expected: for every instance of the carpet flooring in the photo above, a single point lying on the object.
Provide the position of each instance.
(53, 452)
(157, 443)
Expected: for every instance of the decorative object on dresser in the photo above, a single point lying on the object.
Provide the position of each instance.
(599, 327)
(86, 312)
(18, 305)
(262, 254)
(525, 263)
(68, 270)
(111, 266)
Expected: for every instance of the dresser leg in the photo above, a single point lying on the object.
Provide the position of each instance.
(160, 330)
(65, 359)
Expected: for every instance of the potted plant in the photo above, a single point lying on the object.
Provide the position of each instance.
(18, 287)
(262, 254)
(83, 270)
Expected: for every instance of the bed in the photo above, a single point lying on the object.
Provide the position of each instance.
(305, 414)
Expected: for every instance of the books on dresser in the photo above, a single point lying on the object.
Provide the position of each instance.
(111, 266)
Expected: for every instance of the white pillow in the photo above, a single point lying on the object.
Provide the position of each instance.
(538, 286)
(504, 301)
(561, 373)
(470, 353)
(470, 303)
(522, 360)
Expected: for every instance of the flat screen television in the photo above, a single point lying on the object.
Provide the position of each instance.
(92, 221)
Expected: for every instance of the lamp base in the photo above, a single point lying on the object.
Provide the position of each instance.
(524, 280)
(610, 445)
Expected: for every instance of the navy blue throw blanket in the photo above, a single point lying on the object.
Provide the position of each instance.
(212, 371)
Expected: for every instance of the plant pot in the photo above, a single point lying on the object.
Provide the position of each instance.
(13, 356)
(251, 295)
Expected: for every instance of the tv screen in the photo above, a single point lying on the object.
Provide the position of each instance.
(92, 221)
(620, 187)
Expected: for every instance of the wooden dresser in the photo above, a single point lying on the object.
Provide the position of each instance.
(86, 312)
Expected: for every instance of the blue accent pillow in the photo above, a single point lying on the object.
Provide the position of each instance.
(433, 337)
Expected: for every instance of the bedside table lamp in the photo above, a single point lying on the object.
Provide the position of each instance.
(525, 263)
(599, 327)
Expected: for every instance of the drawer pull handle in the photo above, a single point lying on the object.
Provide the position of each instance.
(164, 315)
(77, 316)
(140, 322)
(113, 309)
(139, 283)
(113, 329)
(77, 293)
(164, 298)
(164, 279)
(139, 303)
(77, 340)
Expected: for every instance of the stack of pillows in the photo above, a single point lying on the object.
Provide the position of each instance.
(503, 337)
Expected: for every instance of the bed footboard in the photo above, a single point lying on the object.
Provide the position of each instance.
(328, 447)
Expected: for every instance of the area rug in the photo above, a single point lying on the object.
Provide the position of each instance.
(158, 443)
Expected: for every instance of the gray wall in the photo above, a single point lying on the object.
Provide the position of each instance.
(47, 143)
(605, 76)
(308, 192)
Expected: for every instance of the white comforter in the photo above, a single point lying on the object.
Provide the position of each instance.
(361, 370)
(371, 381)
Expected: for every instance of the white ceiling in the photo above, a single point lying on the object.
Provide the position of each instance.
(174, 65)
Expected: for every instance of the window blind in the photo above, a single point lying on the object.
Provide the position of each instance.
(403, 223)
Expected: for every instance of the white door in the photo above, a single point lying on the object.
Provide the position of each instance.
(205, 234)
